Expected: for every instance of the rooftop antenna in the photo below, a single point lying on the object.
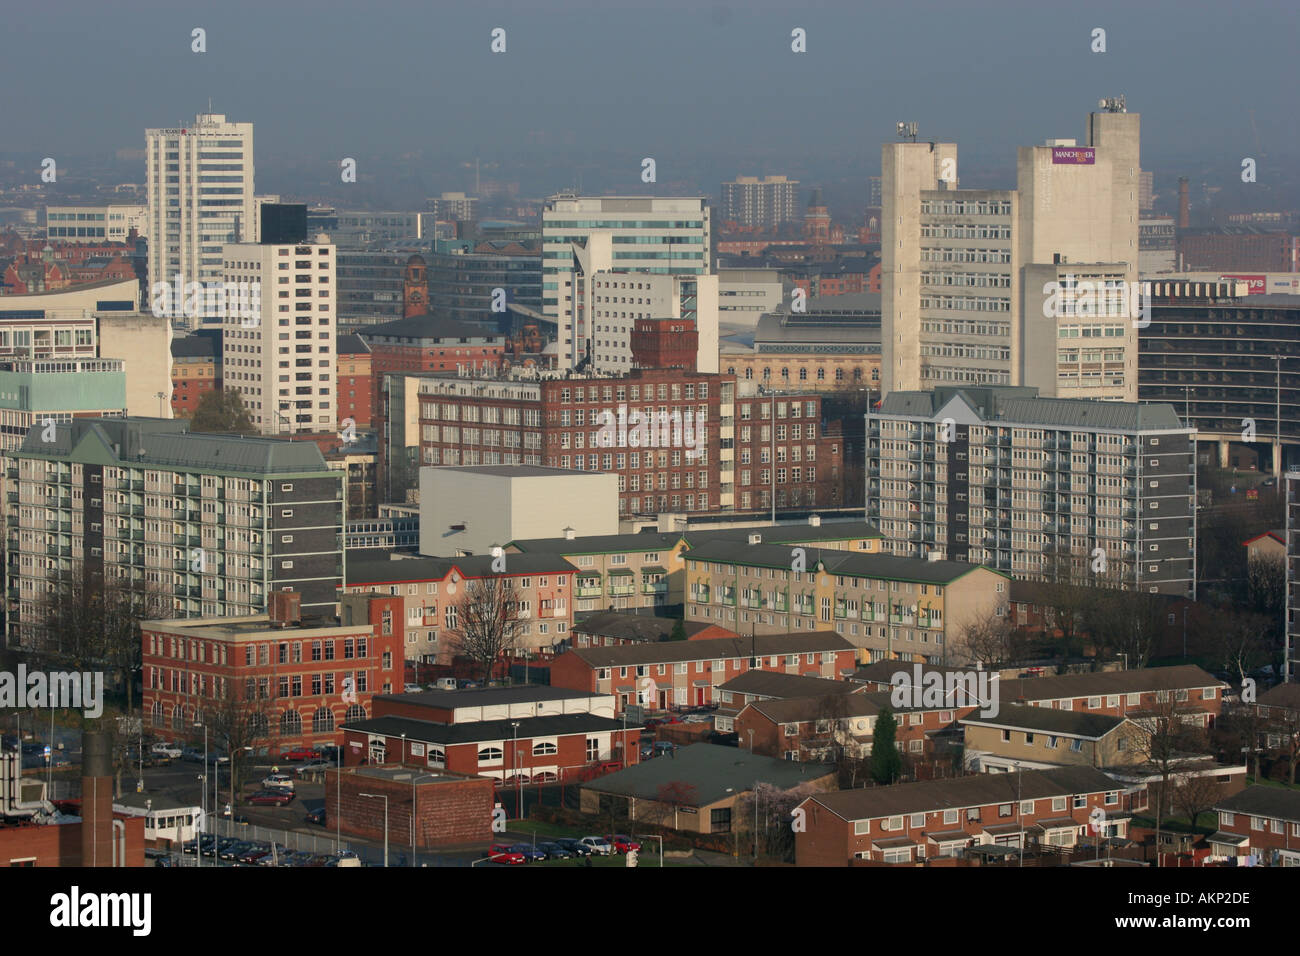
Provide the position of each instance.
(907, 131)
(1112, 104)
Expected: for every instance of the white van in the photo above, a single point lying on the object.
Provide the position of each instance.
(446, 683)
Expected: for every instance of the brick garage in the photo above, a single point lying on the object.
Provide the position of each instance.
(449, 809)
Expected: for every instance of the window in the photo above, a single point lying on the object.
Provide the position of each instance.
(544, 748)
(490, 754)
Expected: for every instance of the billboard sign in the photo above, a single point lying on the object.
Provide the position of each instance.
(1073, 156)
(1254, 283)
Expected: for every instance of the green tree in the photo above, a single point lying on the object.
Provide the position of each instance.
(886, 764)
(679, 631)
(222, 413)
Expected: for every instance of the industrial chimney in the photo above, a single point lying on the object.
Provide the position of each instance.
(1184, 205)
(96, 799)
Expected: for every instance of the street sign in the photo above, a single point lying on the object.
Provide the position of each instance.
(47, 752)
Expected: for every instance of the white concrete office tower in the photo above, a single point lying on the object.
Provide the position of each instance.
(620, 298)
(967, 275)
(278, 339)
(199, 184)
(663, 236)
(760, 203)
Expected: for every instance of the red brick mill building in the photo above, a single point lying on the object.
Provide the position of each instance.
(290, 670)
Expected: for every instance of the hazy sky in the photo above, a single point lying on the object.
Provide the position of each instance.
(662, 78)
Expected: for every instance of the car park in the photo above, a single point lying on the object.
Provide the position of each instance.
(622, 843)
(270, 798)
(278, 781)
(530, 853)
(191, 753)
(599, 845)
(697, 719)
(502, 853)
(298, 858)
(554, 851)
(647, 750)
(576, 847)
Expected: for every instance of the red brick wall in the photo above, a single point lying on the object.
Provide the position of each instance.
(447, 812)
(61, 845)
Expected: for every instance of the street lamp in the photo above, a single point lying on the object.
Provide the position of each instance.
(384, 797)
(514, 765)
(338, 800)
(203, 799)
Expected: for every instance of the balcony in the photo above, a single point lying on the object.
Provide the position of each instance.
(591, 590)
(11, 497)
(654, 587)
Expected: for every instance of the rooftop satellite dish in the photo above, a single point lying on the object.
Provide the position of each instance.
(1101, 104)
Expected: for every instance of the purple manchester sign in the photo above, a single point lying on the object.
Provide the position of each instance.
(1073, 155)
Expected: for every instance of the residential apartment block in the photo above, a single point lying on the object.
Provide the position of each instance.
(1015, 481)
(212, 523)
(765, 203)
(280, 355)
(886, 606)
(1291, 667)
(199, 183)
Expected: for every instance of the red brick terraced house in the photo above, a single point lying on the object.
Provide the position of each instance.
(1121, 693)
(913, 822)
(757, 685)
(688, 673)
(1258, 826)
(812, 728)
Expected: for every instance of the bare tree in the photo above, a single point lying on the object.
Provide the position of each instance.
(487, 621)
(1168, 739)
(989, 640)
(1286, 722)
(1194, 794)
(669, 798)
(1236, 639)
(240, 719)
(768, 810)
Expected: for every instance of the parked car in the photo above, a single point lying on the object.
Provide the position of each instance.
(1268, 483)
(663, 719)
(503, 853)
(254, 853)
(698, 719)
(315, 766)
(171, 751)
(223, 844)
(234, 849)
(665, 747)
(158, 857)
(412, 688)
(622, 843)
(270, 798)
(576, 847)
(530, 853)
(317, 816)
(278, 781)
(299, 858)
(554, 851)
(299, 753)
(647, 750)
(191, 753)
(274, 857)
(599, 845)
